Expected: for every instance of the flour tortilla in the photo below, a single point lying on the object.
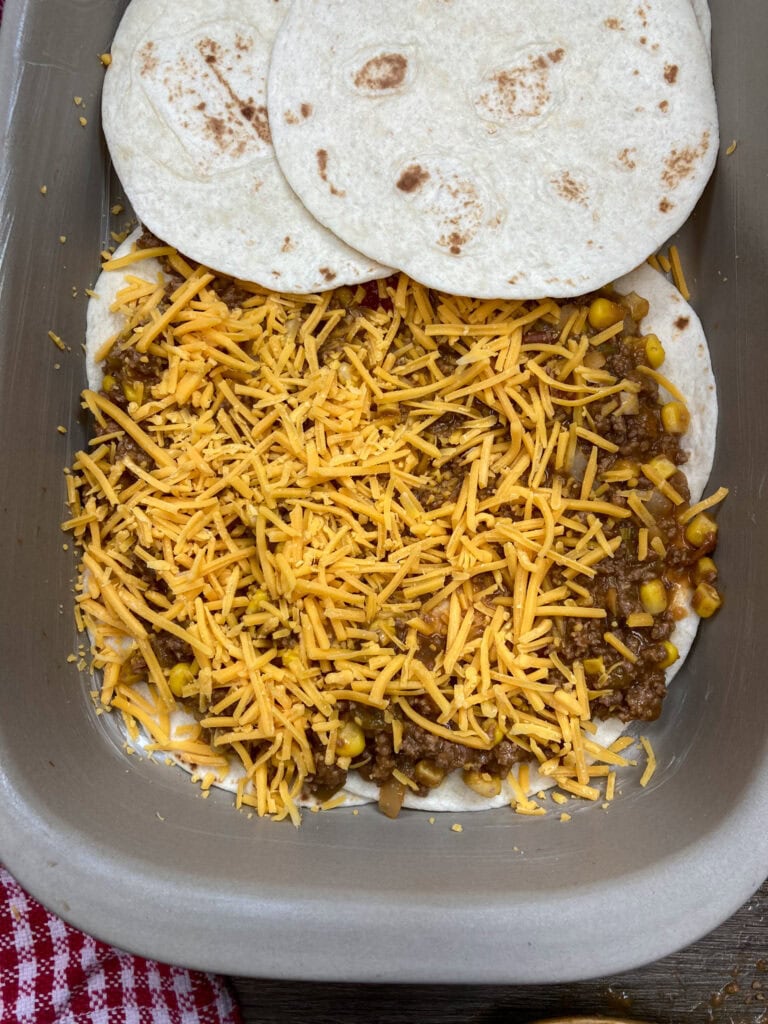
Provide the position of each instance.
(493, 149)
(687, 365)
(185, 120)
(102, 322)
(704, 18)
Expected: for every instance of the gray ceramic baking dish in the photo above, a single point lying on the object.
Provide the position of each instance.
(130, 852)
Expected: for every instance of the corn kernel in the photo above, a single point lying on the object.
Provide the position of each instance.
(626, 467)
(181, 675)
(672, 654)
(107, 383)
(350, 740)
(428, 773)
(594, 666)
(701, 530)
(483, 783)
(706, 570)
(654, 351)
(134, 391)
(675, 418)
(653, 596)
(258, 598)
(604, 313)
(705, 600)
(663, 467)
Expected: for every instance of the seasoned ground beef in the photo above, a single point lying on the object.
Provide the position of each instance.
(124, 369)
(326, 779)
(630, 688)
(420, 752)
(634, 692)
(170, 649)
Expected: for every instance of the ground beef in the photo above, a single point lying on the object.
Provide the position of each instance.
(332, 348)
(443, 488)
(130, 365)
(446, 360)
(419, 745)
(147, 240)
(447, 423)
(170, 649)
(371, 299)
(147, 575)
(127, 448)
(125, 367)
(231, 293)
(326, 779)
(634, 691)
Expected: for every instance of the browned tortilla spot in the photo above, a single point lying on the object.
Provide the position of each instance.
(664, 106)
(217, 129)
(681, 163)
(287, 244)
(412, 178)
(322, 169)
(306, 110)
(453, 242)
(327, 273)
(670, 73)
(522, 91)
(384, 72)
(665, 205)
(290, 117)
(222, 131)
(259, 118)
(682, 322)
(614, 23)
(148, 59)
(625, 157)
(568, 188)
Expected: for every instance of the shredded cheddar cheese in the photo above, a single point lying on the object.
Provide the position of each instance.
(301, 496)
(650, 764)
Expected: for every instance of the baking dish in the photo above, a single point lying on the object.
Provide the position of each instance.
(130, 852)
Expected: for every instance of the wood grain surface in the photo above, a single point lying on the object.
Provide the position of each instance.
(722, 979)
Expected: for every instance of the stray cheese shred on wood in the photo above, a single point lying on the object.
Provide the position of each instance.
(359, 499)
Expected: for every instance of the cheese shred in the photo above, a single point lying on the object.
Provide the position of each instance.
(298, 499)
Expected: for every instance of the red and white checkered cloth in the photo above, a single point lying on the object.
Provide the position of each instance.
(52, 974)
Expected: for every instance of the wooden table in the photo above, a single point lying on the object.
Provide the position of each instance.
(723, 979)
